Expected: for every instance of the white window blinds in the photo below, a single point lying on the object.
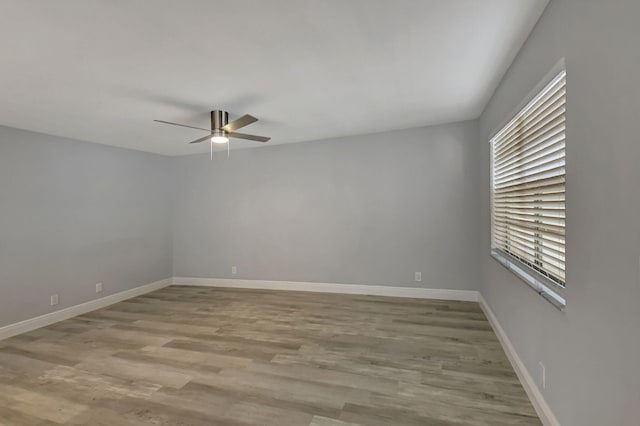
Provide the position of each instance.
(528, 184)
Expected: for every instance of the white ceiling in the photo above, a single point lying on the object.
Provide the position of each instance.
(102, 70)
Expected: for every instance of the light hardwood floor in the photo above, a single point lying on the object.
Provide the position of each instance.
(205, 356)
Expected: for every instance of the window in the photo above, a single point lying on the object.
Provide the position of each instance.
(528, 192)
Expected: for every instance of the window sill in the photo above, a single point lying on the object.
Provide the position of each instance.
(537, 283)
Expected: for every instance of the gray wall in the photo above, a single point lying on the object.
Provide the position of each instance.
(591, 351)
(367, 209)
(74, 214)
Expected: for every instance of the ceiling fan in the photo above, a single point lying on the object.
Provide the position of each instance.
(221, 130)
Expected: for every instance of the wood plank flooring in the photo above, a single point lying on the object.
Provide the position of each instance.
(205, 356)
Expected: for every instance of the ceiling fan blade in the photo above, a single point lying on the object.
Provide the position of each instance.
(245, 120)
(202, 139)
(248, 137)
(182, 125)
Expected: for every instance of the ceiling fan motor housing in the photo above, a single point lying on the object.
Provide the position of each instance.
(219, 119)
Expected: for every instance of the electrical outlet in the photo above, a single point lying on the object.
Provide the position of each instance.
(543, 376)
(418, 276)
(99, 288)
(234, 270)
(54, 299)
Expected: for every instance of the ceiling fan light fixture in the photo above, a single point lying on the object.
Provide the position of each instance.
(219, 137)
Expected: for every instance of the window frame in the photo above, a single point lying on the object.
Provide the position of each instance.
(547, 288)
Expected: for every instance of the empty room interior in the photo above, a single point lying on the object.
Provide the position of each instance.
(319, 212)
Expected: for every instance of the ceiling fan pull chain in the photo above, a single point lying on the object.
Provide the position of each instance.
(227, 150)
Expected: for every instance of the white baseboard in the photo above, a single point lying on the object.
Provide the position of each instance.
(373, 290)
(542, 408)
(63, 314)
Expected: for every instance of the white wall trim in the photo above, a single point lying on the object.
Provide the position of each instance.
(374, 290)
(542, 408)
(92, 305)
